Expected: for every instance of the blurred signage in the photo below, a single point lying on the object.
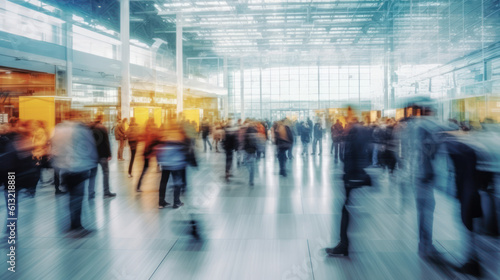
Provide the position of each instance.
(141, 99)
(162, 100)
(156, 100)
(4, 118)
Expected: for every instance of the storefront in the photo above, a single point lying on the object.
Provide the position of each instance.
(15, 83)
(97, 100)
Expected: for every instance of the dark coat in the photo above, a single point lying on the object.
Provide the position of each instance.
(305, 134)
(101, 139)
(356, 156)
(318, 131)
(466, 181)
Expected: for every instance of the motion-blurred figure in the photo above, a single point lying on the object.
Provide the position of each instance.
(424, 145)
(172, 155)
(355, 160)
(75, 154)
(318, 137)
(284, 142)
(120, 136)
(104, 153)
(310, 125)
(250, 145)
(40, 149)
(261, 139)
(305, 137)
(205, 132)
(132, 134)
(16, 147)
(388, 147)
(218, 135)
(240, 150)
(336, 131)
(230, 145)
(150, 140)
(476, 161)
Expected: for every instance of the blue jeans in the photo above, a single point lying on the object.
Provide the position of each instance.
(425, 204)
(250, 162)
(282, 160)
(315, 142)
(205, 141)
(375, 154)
(178, 182)
(105, 175)
(75, 182)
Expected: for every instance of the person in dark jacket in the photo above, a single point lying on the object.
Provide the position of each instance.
(205, 132)
(310, 124)
(75, 154)
(305, 137)
(150, 140)
(104, 156)
(336, 132)
(172, 155)
(120, 136)
(425, 140)
(230, 145)
(284, 141)
(318, 138)
(355, 160)
(250, 145)
(133, 133)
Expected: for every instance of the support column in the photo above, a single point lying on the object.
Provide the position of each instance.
(179, 64)
(386, 75)
(226, 86)
(68, 36)
(242, 85)
(125, 55)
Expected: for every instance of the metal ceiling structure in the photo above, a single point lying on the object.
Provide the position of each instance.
(301, 32)
(344, 31)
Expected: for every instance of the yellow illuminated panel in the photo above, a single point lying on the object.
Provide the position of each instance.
(157, 116)
(192, 115)
(141, 115)
(38, 108)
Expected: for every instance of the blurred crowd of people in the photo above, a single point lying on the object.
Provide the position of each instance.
(408, 149)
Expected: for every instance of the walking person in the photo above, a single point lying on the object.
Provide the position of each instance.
(250, 145)
(336, 132)
(305, 137)
(104, 154)
(424, 137)
(40, 150)
(230, 145)
(205, 132)
(75, 154)
(120, 136)
(150, 140)
(172, 155)
(356, 158)
(132, 136)
(318, 137)
(284, 141)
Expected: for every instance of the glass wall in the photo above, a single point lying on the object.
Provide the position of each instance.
(18, 20)
(302, 89)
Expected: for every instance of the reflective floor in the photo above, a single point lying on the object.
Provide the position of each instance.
(276, 229)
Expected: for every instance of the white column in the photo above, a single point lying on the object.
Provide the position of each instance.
(179, 64)
(242, 89)
(125, 53)
(226, 86)
(69, 55)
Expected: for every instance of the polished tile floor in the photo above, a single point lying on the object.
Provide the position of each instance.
(274, 230)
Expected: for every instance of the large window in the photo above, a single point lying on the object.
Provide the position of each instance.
(22, 21)
(268, 90)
